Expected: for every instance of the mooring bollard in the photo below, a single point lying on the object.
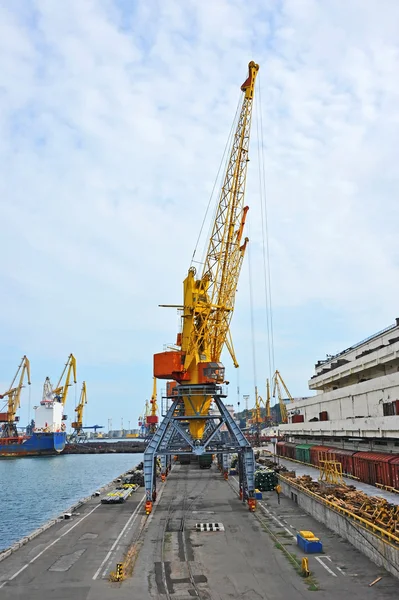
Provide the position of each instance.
(305, 567)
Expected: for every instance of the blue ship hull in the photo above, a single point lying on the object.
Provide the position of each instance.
(38, 444)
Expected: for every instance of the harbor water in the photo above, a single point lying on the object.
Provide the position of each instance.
(35, 490)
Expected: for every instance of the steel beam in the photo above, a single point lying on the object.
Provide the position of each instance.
(173, 437)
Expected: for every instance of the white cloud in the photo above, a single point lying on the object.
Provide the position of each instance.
(113, 122)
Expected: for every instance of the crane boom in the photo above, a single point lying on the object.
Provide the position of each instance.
(14, 398)
(209, 301)
(213, 296)
(61, 390)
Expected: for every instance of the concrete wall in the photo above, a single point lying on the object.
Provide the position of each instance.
(377, 428)
(355, 445)
(380, 552)
(370, 345)
(383, 362)
(356, 410)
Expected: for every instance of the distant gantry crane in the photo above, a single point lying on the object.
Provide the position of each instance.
(13, 395)
(194, 364)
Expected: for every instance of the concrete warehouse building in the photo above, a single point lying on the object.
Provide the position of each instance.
(357, 396)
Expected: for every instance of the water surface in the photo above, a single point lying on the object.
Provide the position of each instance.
(34, 490)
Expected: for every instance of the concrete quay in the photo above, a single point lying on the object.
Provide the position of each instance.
(74, 558)
(244, 557)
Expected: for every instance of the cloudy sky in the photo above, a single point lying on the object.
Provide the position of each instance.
(114, 115)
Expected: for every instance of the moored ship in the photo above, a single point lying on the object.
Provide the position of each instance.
(37, 444)
(48, 436)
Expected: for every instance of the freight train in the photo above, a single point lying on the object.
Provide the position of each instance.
(368, 467)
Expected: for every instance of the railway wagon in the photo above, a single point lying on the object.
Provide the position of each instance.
(373, 467)
(280, 449)
(302, 452)
(290, 449)
(345, 457)
(369, 467)
(394, 466)
(314, 454)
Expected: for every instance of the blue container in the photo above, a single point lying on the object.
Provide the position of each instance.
(258, 495)
(308, 546)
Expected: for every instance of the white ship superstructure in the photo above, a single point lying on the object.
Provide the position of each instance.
(49, 414)
(357, 393)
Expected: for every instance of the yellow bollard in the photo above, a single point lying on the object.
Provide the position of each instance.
(305, 567)
(119, 571)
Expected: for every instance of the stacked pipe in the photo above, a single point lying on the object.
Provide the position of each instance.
(265, 480)
(117, 496)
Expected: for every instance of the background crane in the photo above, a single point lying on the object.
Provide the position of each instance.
(277, 380)
(256, 413)
(60, 392)
(268, 417)
(256, 416)
(13, 395)
(152, 418)
(77, 425)
(206, 312)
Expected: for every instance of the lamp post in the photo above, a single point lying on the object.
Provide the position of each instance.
(274, 442)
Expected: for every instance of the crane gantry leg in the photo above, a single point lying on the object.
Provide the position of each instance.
(173, 437)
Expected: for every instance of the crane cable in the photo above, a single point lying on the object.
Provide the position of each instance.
(223, 161)
(251, 301)
(265, 235)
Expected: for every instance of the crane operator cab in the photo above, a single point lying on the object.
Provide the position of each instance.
(211, 372)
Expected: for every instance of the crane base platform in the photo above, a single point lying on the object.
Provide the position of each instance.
(173, 438)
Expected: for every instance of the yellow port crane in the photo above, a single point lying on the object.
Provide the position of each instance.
(256, 415)
(268, 417)
(13, 395)
(78, 424)
(209, 300)
(152, 418)
(60, 392)
(277, 380)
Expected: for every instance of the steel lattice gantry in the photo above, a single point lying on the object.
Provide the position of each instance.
(173, 438)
